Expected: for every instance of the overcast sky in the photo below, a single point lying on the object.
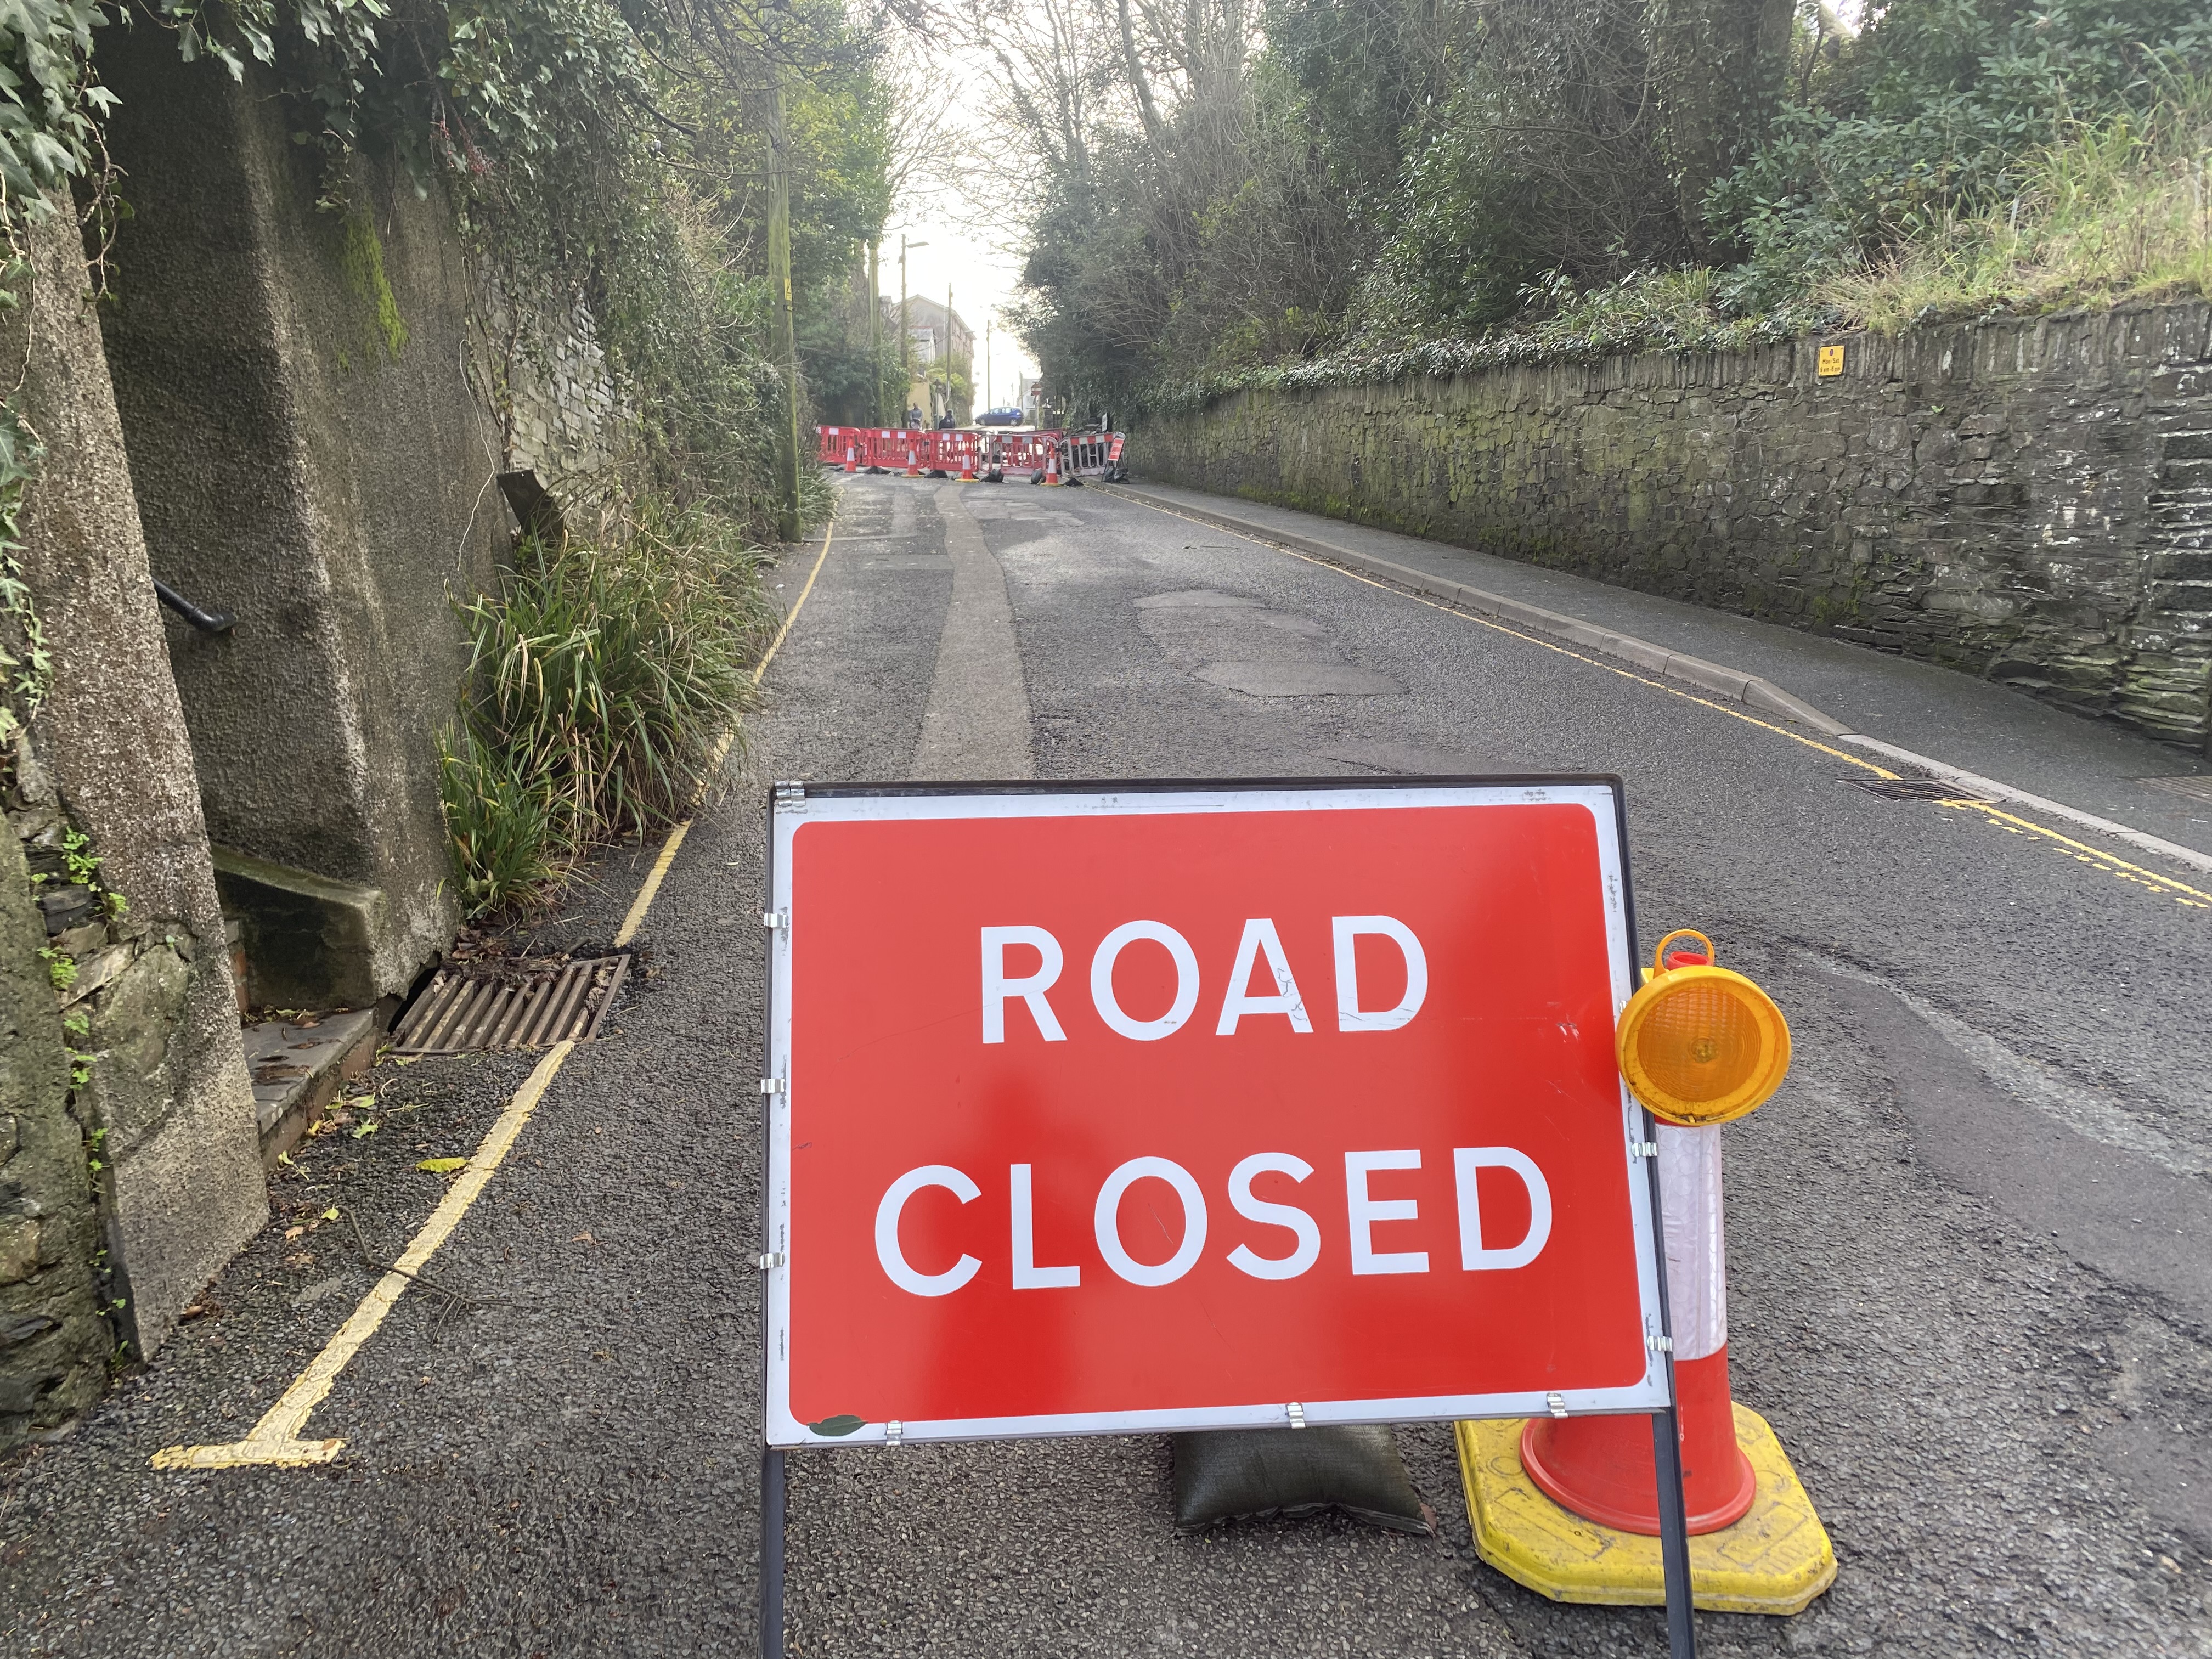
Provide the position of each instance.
(954, 214)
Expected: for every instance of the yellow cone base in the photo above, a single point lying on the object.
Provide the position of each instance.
(1776, 1559)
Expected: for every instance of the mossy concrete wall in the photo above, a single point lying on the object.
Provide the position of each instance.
(310, 455)
(2027, 500)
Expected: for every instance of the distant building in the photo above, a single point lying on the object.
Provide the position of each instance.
(935, 337)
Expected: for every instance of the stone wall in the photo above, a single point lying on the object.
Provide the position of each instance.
(128, 1166)
(2026, 500)
(548, 385)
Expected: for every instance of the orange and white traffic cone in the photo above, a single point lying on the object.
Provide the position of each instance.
(1570, 1506)
(967, 464)
(913, 471)
(1051, 465)
(851, 460)
(1601, 1468)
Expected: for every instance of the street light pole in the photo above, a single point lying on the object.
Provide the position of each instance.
(948, 348)
(906, 328)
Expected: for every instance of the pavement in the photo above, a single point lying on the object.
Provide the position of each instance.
(1968, 1242)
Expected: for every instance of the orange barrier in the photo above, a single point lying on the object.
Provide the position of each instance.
(970, 452)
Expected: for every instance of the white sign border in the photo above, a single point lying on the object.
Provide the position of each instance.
(791, 810)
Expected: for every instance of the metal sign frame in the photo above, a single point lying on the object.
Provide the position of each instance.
(793, 805)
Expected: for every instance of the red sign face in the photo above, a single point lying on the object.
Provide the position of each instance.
(1192, 1108)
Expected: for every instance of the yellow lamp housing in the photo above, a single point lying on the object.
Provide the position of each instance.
(1698, 1043)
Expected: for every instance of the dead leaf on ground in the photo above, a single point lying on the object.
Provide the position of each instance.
(442, 1165)
(583, 1238)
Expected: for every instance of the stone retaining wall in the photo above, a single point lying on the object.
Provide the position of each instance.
(2027, 500)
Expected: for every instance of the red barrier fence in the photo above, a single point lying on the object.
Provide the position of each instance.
(967, 451)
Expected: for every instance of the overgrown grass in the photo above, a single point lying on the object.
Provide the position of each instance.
(2120, 210)
(600, 680)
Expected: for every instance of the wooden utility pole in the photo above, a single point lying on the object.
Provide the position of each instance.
(948, 348)
(987, 405)
(876, 331)
(787, 338)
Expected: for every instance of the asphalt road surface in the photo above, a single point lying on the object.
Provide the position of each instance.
(1970, 1258)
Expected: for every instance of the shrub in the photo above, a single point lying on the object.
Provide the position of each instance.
(497, 824)
(601, 682)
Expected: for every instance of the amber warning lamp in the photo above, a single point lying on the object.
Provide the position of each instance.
(1699, 1044)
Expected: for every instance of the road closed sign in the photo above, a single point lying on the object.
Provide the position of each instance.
(1097, 1110)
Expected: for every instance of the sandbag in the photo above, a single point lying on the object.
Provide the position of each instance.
(1228, 1474)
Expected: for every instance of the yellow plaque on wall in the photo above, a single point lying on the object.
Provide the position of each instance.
(1832, 361)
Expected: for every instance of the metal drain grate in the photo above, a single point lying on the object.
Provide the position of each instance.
(2197, 788)
(504, 1009)
(1915, 789)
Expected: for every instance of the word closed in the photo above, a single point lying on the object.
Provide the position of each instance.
(1362, 1210)
(1171, 1107)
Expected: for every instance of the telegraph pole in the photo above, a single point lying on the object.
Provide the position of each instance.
(986, 364)
(948, 348)
(787, 338)
(876, 326)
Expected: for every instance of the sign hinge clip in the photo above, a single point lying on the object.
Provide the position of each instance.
(791, 792)
(773, 1259)
(1297, 1414)
(772, 1085)
(1643, 1149)
(893, 1432)
(778, 921)
(1556, 1404)
(1662, 1344)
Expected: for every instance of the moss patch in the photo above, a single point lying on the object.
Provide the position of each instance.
(360, 258)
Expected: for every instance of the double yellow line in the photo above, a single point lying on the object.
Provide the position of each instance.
(279, 1439)
(2164, 886)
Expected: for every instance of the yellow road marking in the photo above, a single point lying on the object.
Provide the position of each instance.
(646, 894)
(1515, 633)
(276, 1440)
(798, 605)
(2180, 892)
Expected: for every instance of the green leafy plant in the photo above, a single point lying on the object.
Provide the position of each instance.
(601, 681)
(61, 968)
(497, 823)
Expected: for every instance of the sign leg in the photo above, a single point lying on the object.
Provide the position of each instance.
(1673, 1529)
(771, 1603)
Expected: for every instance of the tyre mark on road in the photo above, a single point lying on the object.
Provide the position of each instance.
(2181, 892)
(276, 1440)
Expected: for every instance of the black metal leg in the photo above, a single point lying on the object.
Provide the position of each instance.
(1673, 1529)
(772, 1553)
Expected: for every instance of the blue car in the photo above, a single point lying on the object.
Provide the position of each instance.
(1002, 418)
